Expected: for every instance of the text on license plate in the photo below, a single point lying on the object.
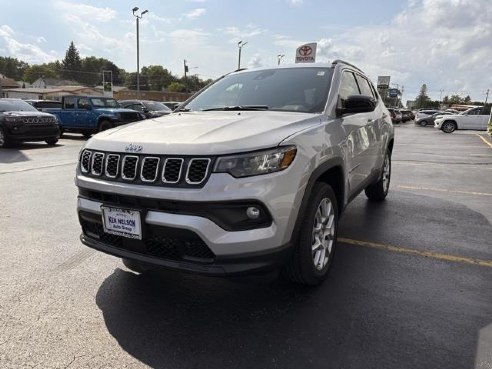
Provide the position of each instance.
(122, 222)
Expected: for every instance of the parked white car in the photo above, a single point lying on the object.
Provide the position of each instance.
(475, 118)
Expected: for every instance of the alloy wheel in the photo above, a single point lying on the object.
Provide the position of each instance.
(323, 233)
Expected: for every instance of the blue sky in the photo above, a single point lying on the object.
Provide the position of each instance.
(443, 43)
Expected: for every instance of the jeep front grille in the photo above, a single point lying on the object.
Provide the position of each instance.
(143, 169)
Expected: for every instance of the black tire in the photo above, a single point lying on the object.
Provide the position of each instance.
(62, 131)
(302, 267)
(52, 141)
(4, 140)
(87, 135)
(423, 123)
(137, 266)
(104, 125)
(379, 190)
(448, 126)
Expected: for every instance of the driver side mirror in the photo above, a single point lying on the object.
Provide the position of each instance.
(357, 104)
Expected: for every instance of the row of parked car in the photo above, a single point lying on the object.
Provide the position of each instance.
(47, 120)
(450, 120)
(401, 115)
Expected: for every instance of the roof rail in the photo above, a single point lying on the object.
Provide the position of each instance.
(338, 61)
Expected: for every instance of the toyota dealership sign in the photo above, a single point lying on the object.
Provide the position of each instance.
(306, 53)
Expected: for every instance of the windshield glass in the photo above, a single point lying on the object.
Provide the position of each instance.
(15, 105)
(157, 106)
(101, 102)
(290, 89)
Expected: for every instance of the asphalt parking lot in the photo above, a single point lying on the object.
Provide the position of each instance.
(411, 285)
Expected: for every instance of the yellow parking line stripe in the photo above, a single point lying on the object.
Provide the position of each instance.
(427, 254)
(443, 190)
(485, 140)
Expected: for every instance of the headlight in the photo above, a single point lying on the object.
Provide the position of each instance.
(256, 163)
(12, 119)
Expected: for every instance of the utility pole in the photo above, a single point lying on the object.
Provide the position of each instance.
(185, 78)
(240, 45)
(138, 17)
(279, 58)
(486, 96)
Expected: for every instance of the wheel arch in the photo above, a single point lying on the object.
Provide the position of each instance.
(331, 172)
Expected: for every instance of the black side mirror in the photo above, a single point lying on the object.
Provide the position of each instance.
(357, 104)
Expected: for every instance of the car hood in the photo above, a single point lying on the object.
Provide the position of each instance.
(23, 113)
(204, 133)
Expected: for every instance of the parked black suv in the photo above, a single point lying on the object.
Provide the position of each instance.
(20, 121)
(151, 109)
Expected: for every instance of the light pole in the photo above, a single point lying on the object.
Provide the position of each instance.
(138, 17)
(440, 97)
(240, 45)
(279, 58)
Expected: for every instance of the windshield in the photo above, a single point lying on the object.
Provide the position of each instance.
(290, 89)
(101, 102)
(15, 105)
(157, 106)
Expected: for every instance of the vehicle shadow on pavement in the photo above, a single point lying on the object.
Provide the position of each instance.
(364, 316)
(12, 156)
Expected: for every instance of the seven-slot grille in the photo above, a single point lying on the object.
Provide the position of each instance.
(140, 169)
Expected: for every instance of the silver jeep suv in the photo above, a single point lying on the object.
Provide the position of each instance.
(251, 174)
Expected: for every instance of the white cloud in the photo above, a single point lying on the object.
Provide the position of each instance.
(296, 2)
(26, 52)
(86, 11)
(195, 13)
(238, 34)
(445, 44)
(255, 61)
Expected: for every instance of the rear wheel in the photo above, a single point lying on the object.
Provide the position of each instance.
(379, 190)
(104, 125)
(315, 248)
(423, 123)
(52, 142)
(448, 126)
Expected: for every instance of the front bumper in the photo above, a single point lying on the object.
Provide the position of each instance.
(33, 133)
(173, 237)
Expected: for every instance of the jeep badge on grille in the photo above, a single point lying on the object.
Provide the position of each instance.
(133, 148)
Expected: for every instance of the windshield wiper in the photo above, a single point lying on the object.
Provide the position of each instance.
(182, 109)
(238, 107)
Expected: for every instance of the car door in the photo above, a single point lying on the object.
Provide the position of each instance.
(68, 113)
(357, 147)
(84, 108)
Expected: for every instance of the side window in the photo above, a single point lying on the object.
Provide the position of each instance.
(365, 89)
(69, 103)
(137, 107)
(83, 103)
(348, 87)
(374, 91)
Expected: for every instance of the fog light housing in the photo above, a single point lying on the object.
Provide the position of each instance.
(253, 212)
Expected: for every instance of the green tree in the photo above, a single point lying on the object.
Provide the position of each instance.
(12, 67)
(92, 71)
(422, 100)
(156, 77)
(176, 87)
(34, 72)
(72, 64)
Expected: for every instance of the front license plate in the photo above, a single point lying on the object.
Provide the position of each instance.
(122, 222)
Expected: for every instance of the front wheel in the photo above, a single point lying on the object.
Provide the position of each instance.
(4, 141)
(448, 126)
(379, 190)
(315, 248)
(104, 125)
(423, 123)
